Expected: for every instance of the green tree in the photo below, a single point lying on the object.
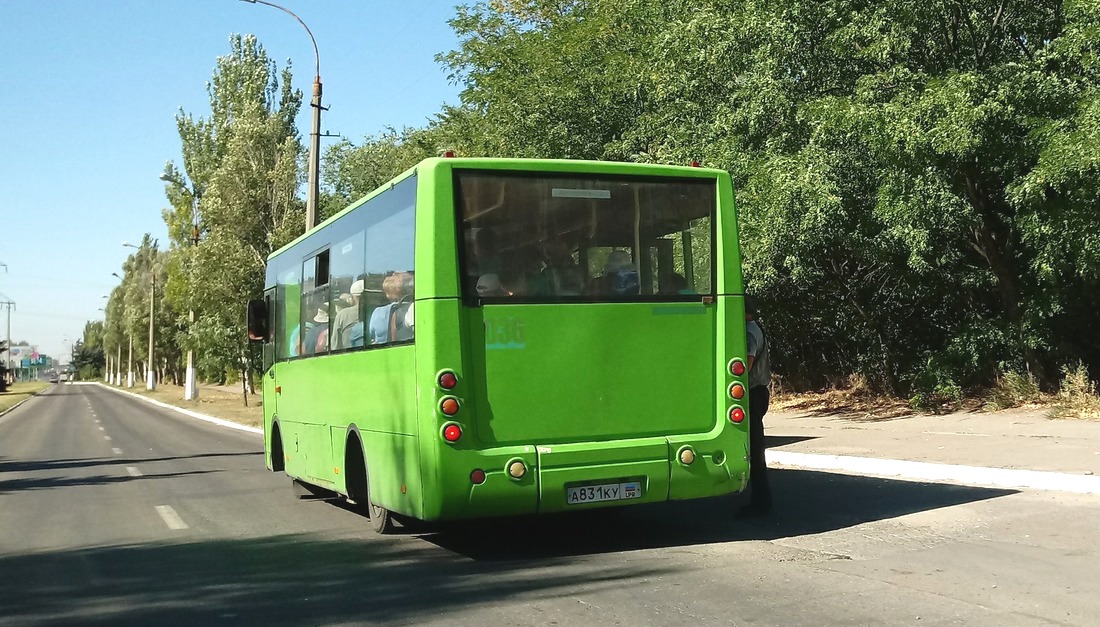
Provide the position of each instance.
(915, 180)
(242, 163)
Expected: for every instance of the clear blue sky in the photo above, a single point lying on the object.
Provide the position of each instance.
(91, 91)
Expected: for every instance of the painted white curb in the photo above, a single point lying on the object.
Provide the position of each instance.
(186, 412)
(951, 473)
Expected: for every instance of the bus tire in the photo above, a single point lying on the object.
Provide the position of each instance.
(381, 520)
(278, 462)
(358, 487)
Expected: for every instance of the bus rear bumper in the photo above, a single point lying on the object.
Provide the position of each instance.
(571, 477)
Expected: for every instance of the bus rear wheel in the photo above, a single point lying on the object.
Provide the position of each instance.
(358, 489)
(381, 520)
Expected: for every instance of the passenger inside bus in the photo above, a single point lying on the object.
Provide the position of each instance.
(619, 276)
(387, 323)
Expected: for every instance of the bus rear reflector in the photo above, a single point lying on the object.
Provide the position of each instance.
(737, 415)
(477, 477)
(737, 367)
(448, 380)
(452, 433)
(449, 406)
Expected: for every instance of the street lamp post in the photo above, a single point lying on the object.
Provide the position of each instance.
(315, 135)
(190, 384)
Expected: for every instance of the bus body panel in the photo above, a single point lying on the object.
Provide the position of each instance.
(597, 372)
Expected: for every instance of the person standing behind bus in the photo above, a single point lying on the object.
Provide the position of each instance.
(760, 374)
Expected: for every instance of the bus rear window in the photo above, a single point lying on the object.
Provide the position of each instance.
(554, 238)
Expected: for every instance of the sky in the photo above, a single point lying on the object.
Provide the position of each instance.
(87, 121)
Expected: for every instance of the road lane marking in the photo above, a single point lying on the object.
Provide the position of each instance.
(107, 437)
(134, 472)
(116, 451)
(101, 429)
(171, 518)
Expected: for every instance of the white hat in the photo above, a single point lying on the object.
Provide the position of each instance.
(489, 285)
(357, 288)
(322, 315)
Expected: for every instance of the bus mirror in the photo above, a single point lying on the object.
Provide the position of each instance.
(257, 320)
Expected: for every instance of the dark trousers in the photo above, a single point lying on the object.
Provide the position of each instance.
(758, 472)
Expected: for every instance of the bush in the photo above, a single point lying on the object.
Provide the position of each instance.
(1077, 395)
(1012, 389)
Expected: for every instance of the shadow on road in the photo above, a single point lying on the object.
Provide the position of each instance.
(806, 502)
(309, 579)
(88, 462)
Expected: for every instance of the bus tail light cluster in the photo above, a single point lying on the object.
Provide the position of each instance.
(447, 380)
(737, 415)
(452, 433)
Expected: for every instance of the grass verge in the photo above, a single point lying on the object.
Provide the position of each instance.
(213, 401)
(19, 392)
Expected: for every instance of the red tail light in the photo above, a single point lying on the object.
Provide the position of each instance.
(477, 477)
(737, 367)
(737, 415)
(452, 433)
(447, 380)
(448, 154)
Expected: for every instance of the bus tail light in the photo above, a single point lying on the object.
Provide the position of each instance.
(737, 415)
(737, 367)
(687, 456)
(737, 391)
(452, 433)
(447, 380)
(517, 469)
(449, 406)
(477, 477)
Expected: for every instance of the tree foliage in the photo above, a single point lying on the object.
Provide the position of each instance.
(242, 164)
(915, 180)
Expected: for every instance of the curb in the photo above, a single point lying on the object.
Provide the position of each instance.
(980, 476)
(187, 412)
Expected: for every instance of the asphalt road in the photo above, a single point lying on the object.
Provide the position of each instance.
(115, 512)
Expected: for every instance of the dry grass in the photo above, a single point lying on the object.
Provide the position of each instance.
(213, 401)
(853, 399)
(20, 392)
(853, 404)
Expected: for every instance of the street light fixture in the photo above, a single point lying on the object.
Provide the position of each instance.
(190, 382)
(315, 136)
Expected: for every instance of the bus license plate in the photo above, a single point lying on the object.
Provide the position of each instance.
(604, 492)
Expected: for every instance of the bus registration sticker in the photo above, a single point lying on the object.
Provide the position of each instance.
(604, 492)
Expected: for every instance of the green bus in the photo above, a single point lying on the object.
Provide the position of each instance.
(498, 337)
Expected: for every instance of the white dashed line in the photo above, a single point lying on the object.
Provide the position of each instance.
(116, 451)
(134, 472)
(171, 518)
(107, 437)
(101, 429)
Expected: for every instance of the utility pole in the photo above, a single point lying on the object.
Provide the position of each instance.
(7, 302)
(315, 136)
